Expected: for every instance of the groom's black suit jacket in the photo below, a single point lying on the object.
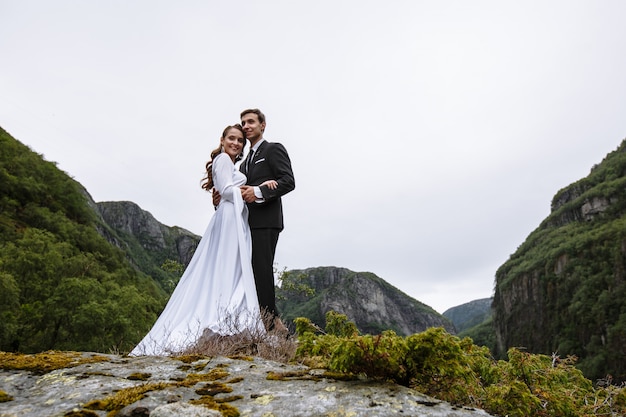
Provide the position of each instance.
(270, 162)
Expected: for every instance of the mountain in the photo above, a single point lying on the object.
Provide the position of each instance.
(474, 320)
(370, 302)
(470, 314)
(564, 289)
(147, 243)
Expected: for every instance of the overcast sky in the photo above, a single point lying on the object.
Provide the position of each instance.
(427, 137)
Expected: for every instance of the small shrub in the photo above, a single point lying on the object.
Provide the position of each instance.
(455, 370)
(339, 325)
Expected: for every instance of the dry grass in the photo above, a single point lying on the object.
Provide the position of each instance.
(242, 335)
(239, 341)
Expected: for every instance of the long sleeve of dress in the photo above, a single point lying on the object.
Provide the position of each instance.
(223, 176)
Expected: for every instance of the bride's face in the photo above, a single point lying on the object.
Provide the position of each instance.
(233, 143)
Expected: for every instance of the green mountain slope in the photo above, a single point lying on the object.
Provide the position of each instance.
(564, 289)
(371, 303)
(62, 285)
(470, 314)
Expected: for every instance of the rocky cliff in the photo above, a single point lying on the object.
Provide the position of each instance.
(146, 242)
(563, 290)
(129, 220)
(370, 302)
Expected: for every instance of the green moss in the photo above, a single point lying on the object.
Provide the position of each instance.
(190, 358)
(86, 375)
(212, 375)
(42, 363)
(200, 367)
(125, 397)
(242, 358)
(208, 401)
(139, 376)
(80, 413)
(4, 397)
(122, 398)
(48, 361)
(306, 375)
(229, 398)
(314, 361)
(339, 376)
(283, 376)
(214, 388)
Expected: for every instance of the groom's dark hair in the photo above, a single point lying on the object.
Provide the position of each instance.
(258, 112)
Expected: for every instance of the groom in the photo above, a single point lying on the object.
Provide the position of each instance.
(265, 161)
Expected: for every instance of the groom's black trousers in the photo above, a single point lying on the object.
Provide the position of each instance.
(263, 249)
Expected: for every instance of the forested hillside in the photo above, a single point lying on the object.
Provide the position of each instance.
(469, 314)
(62, 285)
(564, 289)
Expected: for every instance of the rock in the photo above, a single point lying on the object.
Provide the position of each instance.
(237, 386)
(137, 232)
(183, 410)
(132, 411)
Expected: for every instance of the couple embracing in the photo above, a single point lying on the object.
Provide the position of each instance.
(228, 285)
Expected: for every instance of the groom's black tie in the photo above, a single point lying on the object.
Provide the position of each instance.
(248, 160)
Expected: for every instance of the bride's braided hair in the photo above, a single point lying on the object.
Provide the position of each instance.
(207, 181)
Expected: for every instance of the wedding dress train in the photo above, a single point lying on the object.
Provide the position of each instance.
(217, 291)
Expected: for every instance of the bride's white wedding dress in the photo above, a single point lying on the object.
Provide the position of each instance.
(217, 290)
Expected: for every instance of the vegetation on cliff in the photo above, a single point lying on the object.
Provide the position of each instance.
(62, 285)
(564, 288)
(470, 314)
(432, 362)
(458, 371)
(474, 320)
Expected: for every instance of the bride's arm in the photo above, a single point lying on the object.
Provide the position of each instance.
(223, 176)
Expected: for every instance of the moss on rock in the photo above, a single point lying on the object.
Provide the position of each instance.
(42, 363)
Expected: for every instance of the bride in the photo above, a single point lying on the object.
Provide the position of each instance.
(216, 293)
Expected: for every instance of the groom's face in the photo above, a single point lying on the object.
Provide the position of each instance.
(252, 127)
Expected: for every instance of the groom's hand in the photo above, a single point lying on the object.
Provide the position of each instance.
(216, 198)
(247, 193)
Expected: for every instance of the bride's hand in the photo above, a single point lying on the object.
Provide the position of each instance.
(271, 184)
(216, 198)
(247, 193)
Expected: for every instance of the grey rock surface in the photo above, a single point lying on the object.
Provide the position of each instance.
(183, 410)
(296, 391)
